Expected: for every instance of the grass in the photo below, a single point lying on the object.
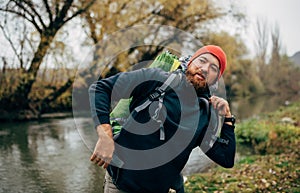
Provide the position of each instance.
(273, 166)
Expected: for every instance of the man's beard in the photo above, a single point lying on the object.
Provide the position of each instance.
(198, 84)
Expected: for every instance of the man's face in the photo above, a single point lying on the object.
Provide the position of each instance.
(203, 71)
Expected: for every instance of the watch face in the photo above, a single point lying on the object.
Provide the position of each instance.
(233, 119)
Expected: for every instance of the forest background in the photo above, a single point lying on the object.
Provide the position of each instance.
(44, 43)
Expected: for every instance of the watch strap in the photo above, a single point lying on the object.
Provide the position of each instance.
(230, 119)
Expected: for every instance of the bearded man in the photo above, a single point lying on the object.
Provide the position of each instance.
(151, 150)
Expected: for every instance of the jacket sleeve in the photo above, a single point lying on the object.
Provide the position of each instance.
(224, 153)
(103, 93)
(100, 99)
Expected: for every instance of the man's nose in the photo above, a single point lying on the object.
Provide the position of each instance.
(204, 68)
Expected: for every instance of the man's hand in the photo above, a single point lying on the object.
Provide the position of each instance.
(105, 147)
(221, 105)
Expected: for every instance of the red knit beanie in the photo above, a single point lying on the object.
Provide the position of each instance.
(214, 50)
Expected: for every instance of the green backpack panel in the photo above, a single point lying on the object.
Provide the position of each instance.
(167, 62)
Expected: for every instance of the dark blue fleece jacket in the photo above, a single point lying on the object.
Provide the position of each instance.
(149, 163)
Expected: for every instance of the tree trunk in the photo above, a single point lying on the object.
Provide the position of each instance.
(20, 98)
(45, 103)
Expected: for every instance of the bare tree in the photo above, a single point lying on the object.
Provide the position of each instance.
(274, 74)
(276, 68)
(262, 40)
(47, 17)
(276, 46)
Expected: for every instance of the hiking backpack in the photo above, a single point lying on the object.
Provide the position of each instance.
(165, 61)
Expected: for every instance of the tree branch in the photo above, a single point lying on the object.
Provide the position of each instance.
(62, 13)
(164, 15)
(22, 48)
(31, 6)
(80, 11)
(56, 93)
(20, 5)
(22, 15)
(10, 42)
(49, 11)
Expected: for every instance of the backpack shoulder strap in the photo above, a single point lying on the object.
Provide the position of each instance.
(172, 81)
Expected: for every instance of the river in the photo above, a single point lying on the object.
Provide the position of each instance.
(46, 156)
(52, 155)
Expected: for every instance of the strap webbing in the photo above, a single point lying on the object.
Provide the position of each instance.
(171, 80)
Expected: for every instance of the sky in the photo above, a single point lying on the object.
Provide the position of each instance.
(285, 13)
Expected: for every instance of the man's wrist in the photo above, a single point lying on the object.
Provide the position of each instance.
(104, 129)
(229, 119)
(228, 114)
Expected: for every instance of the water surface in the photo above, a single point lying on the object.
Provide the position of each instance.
(47, 156)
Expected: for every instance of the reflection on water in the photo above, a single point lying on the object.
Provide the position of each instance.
(245, 108)
(46, 156)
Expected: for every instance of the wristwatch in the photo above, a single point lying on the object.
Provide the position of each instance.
(230, 119)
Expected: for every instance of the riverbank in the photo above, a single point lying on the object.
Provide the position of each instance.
(27, 116)
(273, 166)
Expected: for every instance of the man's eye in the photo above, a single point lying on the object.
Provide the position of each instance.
(202, 61)
(214, 68)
